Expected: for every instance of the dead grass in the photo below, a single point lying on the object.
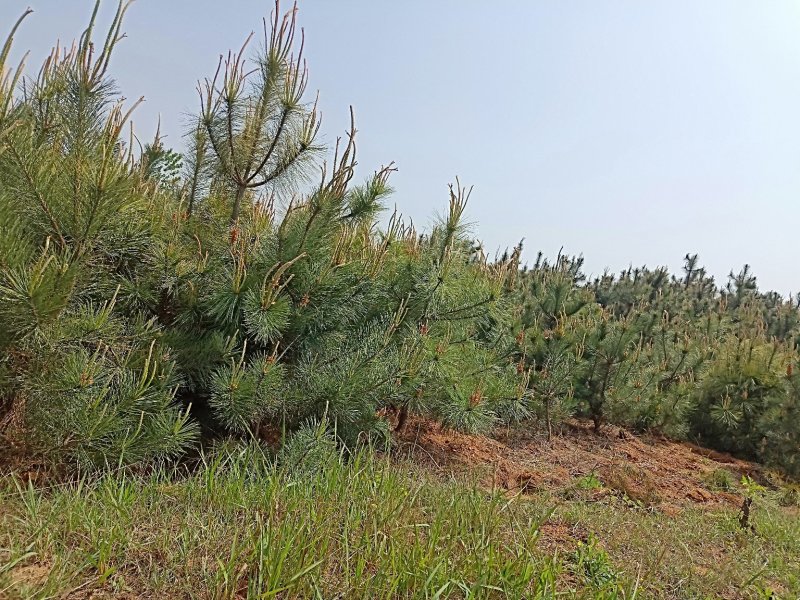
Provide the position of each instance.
(655, 471)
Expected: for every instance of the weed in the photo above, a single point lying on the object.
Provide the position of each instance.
(593, 564)
(790, 496)
(720, 480)
(589, 482)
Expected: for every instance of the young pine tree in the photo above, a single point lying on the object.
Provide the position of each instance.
(83, 373)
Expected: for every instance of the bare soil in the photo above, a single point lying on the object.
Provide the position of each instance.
(650, 470)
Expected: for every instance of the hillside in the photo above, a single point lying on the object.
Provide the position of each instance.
(225, 374)
(444, 515)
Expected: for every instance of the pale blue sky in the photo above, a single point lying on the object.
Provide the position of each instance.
(628, 131)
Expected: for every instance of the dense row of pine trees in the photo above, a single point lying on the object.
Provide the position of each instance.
(150, 300)
(675, 354)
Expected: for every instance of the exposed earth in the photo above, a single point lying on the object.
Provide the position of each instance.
(653, 471)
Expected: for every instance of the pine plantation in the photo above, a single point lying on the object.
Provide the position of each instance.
(151, 302)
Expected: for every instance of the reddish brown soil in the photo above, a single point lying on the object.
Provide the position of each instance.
(652, 471)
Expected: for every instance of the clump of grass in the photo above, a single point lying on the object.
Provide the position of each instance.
(633, 483)
(589, 482)
(790, 496)
(593, 565)
(584, 487)
(720, 480)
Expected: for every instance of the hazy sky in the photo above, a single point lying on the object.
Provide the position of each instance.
(629, 131)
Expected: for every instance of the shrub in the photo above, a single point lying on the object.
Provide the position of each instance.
(137, 305)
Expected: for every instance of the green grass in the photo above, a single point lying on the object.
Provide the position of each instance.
(721, 480)
(369, 527)
(700, 552)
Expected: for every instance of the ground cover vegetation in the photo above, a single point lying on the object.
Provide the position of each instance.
(240, 525)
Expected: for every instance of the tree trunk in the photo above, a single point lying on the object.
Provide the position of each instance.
(744, 515)
(596, 419)
(402, 418)
(237, 204)
(547, 418)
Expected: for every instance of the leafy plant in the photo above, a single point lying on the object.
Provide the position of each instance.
(593, 564)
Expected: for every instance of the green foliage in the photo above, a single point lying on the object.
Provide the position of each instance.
(129, 317)
(160, 164)
(593, 564)
(790, 496)
(243, 394)
(750, 487)
(146, 295)
(82, 376)
(653, 352)
(735, 394)
(550, 303)
(589, 482)
(310, 449)
(720, 479)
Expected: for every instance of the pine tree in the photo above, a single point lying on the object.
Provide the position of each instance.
(82, 375)
(256, 123)
(150, 298)
(303, 306)
(550, 302)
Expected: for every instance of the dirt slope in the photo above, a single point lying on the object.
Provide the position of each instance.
(655, 472)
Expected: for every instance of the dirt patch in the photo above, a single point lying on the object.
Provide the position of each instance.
(651, 471)
(29, 576)
(560, 536)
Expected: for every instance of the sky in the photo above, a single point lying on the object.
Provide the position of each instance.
(630, 132)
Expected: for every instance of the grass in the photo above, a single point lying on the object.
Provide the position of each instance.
(720, 479)
(699, 552)
(370, 527)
